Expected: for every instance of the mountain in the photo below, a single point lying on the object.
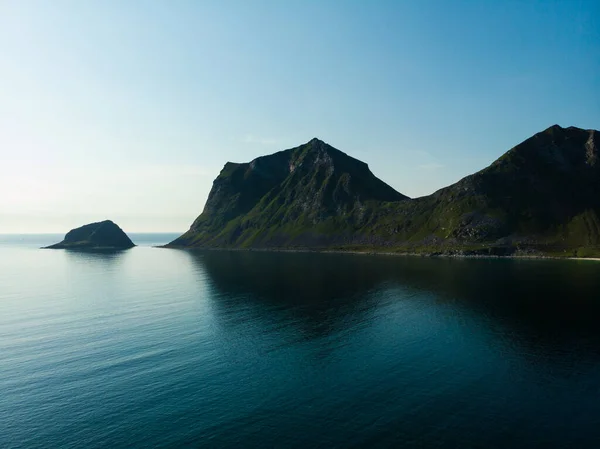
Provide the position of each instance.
(311, 195)
(101, 235)
(539, 197)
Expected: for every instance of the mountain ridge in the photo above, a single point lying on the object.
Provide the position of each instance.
(539, 196)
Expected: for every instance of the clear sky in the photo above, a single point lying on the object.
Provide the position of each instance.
(129, 109)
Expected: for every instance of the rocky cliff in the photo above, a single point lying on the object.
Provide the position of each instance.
(310, 195)
(542, 196)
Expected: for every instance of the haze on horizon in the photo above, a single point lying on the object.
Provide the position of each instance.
(128, 111)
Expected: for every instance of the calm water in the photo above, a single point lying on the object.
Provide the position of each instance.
(167, 348)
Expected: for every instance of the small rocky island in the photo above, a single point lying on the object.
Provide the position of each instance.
(95, 236)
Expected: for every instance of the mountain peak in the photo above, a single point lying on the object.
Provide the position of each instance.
(558, 130)
(553, 131)
(307, 188)
(569, 149)
(317, 144)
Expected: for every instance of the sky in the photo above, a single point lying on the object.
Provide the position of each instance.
(127, 110)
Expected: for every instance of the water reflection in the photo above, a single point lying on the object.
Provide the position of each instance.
(93, 262)
(316, 295)
(104, 255)
(546, 311)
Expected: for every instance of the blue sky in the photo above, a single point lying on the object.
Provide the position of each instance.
(128, 110)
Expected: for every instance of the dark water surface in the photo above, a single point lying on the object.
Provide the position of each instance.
(165, 348)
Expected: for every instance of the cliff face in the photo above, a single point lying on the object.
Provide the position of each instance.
(293, 197)
(543, 192)
(100, 235)
(542, 195)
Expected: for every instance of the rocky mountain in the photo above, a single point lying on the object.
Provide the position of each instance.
(101, 235)
(311, 195)
(542, 196)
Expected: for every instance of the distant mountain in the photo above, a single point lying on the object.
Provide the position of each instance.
(101, 235)
(542, 196)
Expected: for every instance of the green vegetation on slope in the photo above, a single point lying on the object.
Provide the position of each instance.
(539, 197)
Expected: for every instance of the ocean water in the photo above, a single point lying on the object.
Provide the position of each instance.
(167, 348)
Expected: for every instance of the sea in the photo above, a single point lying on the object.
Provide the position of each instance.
(166, 348)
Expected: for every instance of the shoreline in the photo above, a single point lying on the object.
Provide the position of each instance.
(386, 253)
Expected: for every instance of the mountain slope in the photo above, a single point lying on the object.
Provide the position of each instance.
(542, 195)
(295, 197)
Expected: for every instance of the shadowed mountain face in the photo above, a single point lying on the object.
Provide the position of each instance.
(542, 195)
(101, 235)
(302, 196)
